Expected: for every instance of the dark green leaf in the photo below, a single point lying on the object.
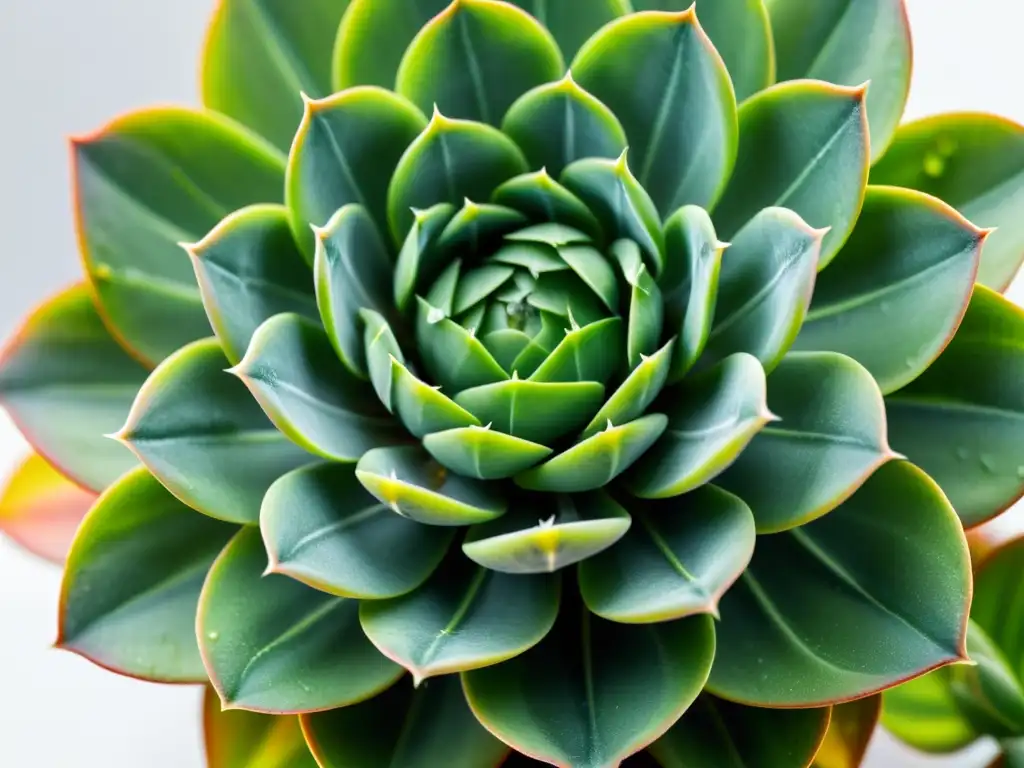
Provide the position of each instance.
(477, 227)
(592, 353)
(573, 23)
(483, 453)
(638, 391)
(997, 602)
(420, 260)
(543, 199)
(453, 357)
(646, 306)
(988, 691)
(424, 409)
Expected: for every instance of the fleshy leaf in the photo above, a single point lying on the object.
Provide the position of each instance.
(573, 23)
(477, 227)
(458, 620)
(713, 417)
(568, 529)
(594, 692)
(483, 453)
(249, 269)
(638, 391)
(830, 439)
(997, 601)
(424, 409)
(321, 527)
(646, 306)
(962, 420)
(834, 618)
(678, 559)
(803, 146)
(240, 739)
(849, 42)
(271, 644)
(591, 353)
(974, 162)
(382, 353)
(65, 383)
(132, 581)
(201, 434)
(403, 728)
(477, 57)
(849, 734)
(662, 77)
(909, 265)
(543, 199)
(453, 357)
(420, 260)
(414, 486)
(291, 369)
(146, 182)
(924, 714)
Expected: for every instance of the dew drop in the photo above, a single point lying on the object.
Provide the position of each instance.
(934, 165)
(213, 636)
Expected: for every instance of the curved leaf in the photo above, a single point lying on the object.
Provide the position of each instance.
(201, 434)
(803, 146)
(997, 602)
(849, 42)
(476, 227)
(65, 383)
(924, 714)
(291, 369)
(834, 617)
(593, 692)
(974, 162)
(713, 417)
(459, 619)
(662, 77)
(482, 453)
(678, 559)
(420, 261)
(962, 420)
(132, 581)
(453, 356)
(271, 644)
(830, 438)
(321, 527)
(849, 733)
(240, 739)
(144, 183)
(422, 408)
(249, 270)
(543, 199)
(910, 263)
(646, 307)
(572, 23)
(591, 353)
(635, 394)
(382, 353)
(259, 56)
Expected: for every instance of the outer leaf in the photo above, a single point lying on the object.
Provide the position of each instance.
(477, 57)
(910, 263)
(593, 692)
(321, 527)
(292, 371)
(961, 420)
(830, 439)
(849, 733)
(239, 739)
(571, 23)
(713, 418)
(65, 383)
(459, 619)
(803, 146)
(832, 618)
(402, 728)
(132, 581)
(662, 77)
(678, 559)
(40, 509)
(849, 42)
(924, 714)
(726, 735)
(271, 644)
(200, 433)
(249, 269)
(144, 183)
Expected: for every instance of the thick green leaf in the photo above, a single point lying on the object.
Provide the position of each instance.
(382, 353)
(478, 227)
(638, 391)
(543, 199)
(829, 606)
(988, 692)
(345, 152)
(830, 438)
(849, 42)
(849, 733)
(591, 353)
(65, 383)
(291, 369)
(660, 74)
(453, 357)
(146, 182)
(451, 160)
(962, 421)
(565, 294)
(803, 146)
(203, 436)
(321, 527)
(678, 559)
(240, 739)
(460, 619)
(924, 714)
(974, 162)
(271, 644)
(713, 417)
(646, 306)
(132, 581)
(593, 268)
(594, 692)
(718, 733)
(261, 55)
(249, 269)
(420, 260)
(571, 22)
(422, 408)
(997, 602)
(483, 453)
(477, 57)
(765, 288)
(910, 263)
(414, 486)
(403, 728)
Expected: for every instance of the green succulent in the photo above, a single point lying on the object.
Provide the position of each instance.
(542, 379)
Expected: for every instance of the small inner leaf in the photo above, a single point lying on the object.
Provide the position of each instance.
(482, 453)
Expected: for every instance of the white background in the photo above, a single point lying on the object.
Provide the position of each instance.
(66, 67)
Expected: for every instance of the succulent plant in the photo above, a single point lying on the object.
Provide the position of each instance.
(538, 381)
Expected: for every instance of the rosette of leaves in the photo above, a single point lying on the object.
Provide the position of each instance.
(535, 379)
